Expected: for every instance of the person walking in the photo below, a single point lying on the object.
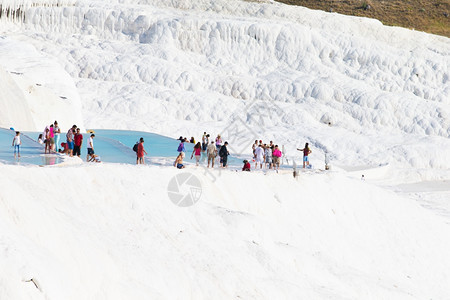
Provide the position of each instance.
(306, 152)
(211, 151)
(16, 144)
(223, 153)
(90, 148)
(197, 152)
(57, 132)
(78, 142)
(140, 152)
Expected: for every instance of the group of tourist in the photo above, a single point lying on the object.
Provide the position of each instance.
(50, 138)
(72, 146)
(211, 149)
(264, 155)
(267, 156)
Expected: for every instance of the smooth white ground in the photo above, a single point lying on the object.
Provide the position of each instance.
(112, 233)
(376, 98)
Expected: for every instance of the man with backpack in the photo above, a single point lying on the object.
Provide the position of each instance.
(140, 152)
(223, 153)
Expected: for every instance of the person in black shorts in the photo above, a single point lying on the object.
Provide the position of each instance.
(90, 148)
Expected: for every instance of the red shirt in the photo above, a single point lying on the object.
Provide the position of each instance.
(246, 167)
(140, 152)
(78, 139)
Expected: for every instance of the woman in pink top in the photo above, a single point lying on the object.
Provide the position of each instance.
(197, 152)
(218, 142)
(52, 139)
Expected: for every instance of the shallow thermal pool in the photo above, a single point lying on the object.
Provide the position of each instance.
(114, 146)
(31, 152)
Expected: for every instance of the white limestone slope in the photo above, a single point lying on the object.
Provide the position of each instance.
(13, 106)
(35, 91)
(279, 72)
(112, 233)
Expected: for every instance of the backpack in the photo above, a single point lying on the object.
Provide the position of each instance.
(180, 147)
(135, 147)
(223, 151)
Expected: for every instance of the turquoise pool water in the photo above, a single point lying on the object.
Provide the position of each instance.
(157, 146)
(31, 152)
(113, 146)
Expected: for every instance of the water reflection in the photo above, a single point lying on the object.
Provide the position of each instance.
(48, 159)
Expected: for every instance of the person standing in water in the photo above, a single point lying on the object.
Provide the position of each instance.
(140, 152)
(16, 144)
(69, 137)
(223, 153)
(204, 142)
(181, 149)
(90, 148)
(47, 140)
(267, 157)
(78, 143)
(218, 142)
(56, 131)
(306, 152)
(254, 146)
(52, 139)
(211, 151)
(276, 158)
(197, 152)
(259, 153)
